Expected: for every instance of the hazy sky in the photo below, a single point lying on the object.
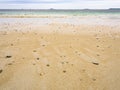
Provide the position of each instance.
(59, 4)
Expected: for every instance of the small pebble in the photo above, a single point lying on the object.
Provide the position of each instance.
(38, 58)
(98, 55)
(67, 62)
(76, 52)
(47, 65)
(95, 63)
(8, 56)
(94, 79)
(64, 71)
(83, 70)
(34, 64)
(1, 70)
(9, 63)
(43, 45)
(97, 46)
(80, 79)
(34, 51)
(40, 74)
(11, 44)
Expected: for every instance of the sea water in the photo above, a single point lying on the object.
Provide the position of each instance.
(72, 12)
(100, 17)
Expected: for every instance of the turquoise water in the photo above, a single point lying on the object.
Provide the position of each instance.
(60, 12)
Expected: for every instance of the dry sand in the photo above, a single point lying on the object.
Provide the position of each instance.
(59, 56)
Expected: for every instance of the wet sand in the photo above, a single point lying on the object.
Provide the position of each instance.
(59, 56)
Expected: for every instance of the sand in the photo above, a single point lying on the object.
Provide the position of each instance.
(59, 56)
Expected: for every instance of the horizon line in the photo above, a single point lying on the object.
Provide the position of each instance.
(65, 9)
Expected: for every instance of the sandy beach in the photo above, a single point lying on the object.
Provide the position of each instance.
(54, 55)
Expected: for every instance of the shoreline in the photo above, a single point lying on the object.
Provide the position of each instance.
(73, 20)
(59, 54)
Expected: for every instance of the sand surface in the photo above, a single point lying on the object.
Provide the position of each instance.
(59, 56)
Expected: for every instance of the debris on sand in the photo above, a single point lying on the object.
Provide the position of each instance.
(83, 70)
(64, 71)
(62, 62)
(38, 58)
(40, 74)
(76, 52)
(1, 70)
(47, 65)
(98, 46)
(9, 63)
(95, 63)
(43, 45)
(98, 55)
(97, 38)
(34, 51)
(65, 62)
(94, 79)
(8, 56)
(11, 44)
(34, 64)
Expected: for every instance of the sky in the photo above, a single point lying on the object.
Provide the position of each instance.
(59, 4)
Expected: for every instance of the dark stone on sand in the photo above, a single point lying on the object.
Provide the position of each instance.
(1, 70)
(95, 63)
(34, 51)
(61, 56)
(76, 52)
(80, 79)
(67, 62)
(43, 45)
(97, 38)
(40, 74)
(83, 70)
(11, 44)
(62, 62)
(38, 58)
(98, 55)
(34, 64)
(9, 63)
(70, 47)
(8, 56)
(47, 65)
(97, 46)
(94, 79)
(41, 37)
(64, 71)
